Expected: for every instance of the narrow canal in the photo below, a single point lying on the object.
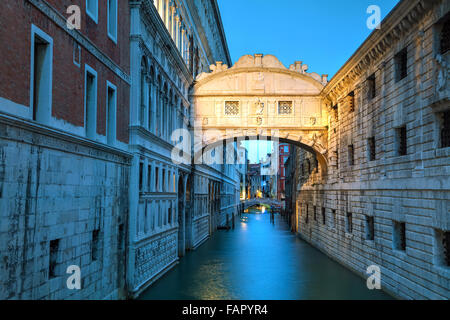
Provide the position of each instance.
(259, 260)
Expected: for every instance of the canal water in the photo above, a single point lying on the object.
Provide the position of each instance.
(259, 260)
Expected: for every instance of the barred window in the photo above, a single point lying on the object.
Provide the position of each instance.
(399, 236)
(401, 65)
(324, 216)
(372, 92)
(370, 228)
(372, 150)
(315, 213)
(307, 215)
(351, 155)
(232, 108)
(445, 130)
(351, 101)
(349, 226)
(402, 147)
(285, 107)
(445, 36)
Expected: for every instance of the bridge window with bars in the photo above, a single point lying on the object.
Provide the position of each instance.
(231, 108)
(285, 107)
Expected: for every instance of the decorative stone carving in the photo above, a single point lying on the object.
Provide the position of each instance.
(259, 107)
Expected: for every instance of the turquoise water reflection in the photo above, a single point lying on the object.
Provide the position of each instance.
(259, 260)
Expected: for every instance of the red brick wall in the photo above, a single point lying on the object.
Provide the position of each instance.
(16, 18)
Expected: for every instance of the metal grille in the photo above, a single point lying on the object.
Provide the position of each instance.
(446, 246)
(351, 101)
(372, 86)
(401, 61)
(351, 155)
(372, 151)
(445, 36)
(402, 141)
(232, 108)
(445, 132)
(402, 234)
(349, 222)
(370, 228)
(307, 215)
(285, 107)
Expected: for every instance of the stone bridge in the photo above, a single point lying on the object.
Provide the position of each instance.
(259, 98)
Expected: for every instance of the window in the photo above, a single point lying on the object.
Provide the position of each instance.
(445, 129)
(92, 9)
(286, 149)
(324, 216)
(141, 173)
(112, 20)
(351, 155)
(333, 213)
(402, 147)
(54, 250)
(370, 229)
(41, 75)
(443, 247)
(445, 36)
(111, 105)
(401, 65)
(285, 107)
(76, 54)
(371, 83)
(231, 108)
(307, 215)
(349, 223)
(351, 101)
(95, 249)
(315, 213)
(90, 101)
(371, 147)
(164, 180)
(399, 236)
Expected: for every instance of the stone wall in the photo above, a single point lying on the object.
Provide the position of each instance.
(63, 203)
(370, 194)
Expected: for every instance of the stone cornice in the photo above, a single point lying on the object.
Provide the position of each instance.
(207, 77)
(221, 30)
(399, 21)
(79, 142)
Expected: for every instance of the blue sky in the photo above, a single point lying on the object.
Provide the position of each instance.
(322, 33)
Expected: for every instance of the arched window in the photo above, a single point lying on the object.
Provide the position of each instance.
(150, 98)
